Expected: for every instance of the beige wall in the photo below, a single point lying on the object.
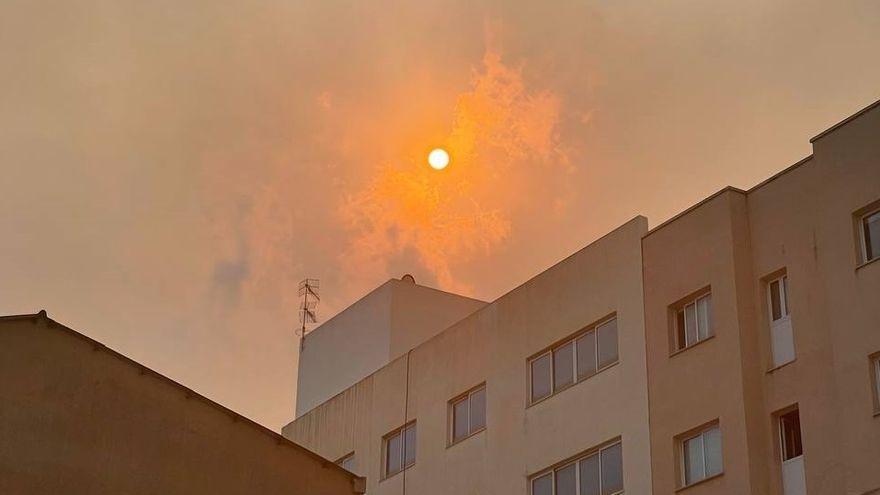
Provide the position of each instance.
(802, 222)
(378, 328)
(76, 417)
(492, 346)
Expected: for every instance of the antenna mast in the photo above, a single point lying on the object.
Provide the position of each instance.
(309, 291)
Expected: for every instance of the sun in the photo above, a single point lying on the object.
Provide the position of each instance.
(438, 158)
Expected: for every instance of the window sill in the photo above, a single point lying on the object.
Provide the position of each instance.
(462, 439)
(779, 367)
(389, 476)
(679, 351)
(866, 263)
(578, 382)
(697, 483)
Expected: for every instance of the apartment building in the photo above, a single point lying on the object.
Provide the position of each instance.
(732, 349)
(488, 405)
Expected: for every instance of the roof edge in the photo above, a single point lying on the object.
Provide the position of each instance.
(694, 207)
(43, 317)
(845, 121)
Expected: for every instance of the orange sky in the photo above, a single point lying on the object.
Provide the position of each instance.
(170, 170)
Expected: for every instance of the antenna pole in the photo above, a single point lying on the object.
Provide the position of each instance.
(308, 308)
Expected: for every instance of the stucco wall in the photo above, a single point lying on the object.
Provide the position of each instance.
(76, 417)
(802, 222)
(492, 346)
(375, 330)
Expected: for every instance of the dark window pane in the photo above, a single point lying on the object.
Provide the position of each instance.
(612, 470)
(775, 301)
(586, 352)
(871, 226)
(392, 454)
(563, 366)
(409, 447)
(460, 420)
(543, 485)
(790, 429)
(478, 410)
(589, 468)
(607, 341)
(541, 373)
(566, 480)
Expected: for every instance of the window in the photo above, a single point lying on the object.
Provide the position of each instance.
(468, 414)
(400, 450)
(693, 322)
(701, 455)
(869, 231)
(573, 360)
(347, 462)
(778, 290)
(597, 473)
(781, 335)
(790, 435)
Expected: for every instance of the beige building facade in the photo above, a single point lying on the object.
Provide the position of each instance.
(734, 349)
(79, 418)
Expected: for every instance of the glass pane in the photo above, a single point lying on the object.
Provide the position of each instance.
(790, 429)
(680, 325)
(712, 445)
(478, 410)
(541, 377)
(775, 301)
(785, 309)
(566, 480)
(589, 468)
(871, 227)
(409, 447)
(704, 314)
(348, 463)
(690, 323)
(586, 352)
(693, 460)
(877, 377)
(563, 366)
(543, 485)
(460, 420)
(392, 454)
(607, 341)
(612, 470)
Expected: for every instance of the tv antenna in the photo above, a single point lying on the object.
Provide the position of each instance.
(309, 291)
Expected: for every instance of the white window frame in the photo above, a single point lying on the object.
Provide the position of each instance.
(577, 476)
(863, 235)
(782, 447)
(574, 361)
(347, 458)
(682, 452)
(470, 429)
(709, 333)
(783, 298)
(781, 325)
(386, 440)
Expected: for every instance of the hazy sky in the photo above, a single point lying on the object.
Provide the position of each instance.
(170, 170)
